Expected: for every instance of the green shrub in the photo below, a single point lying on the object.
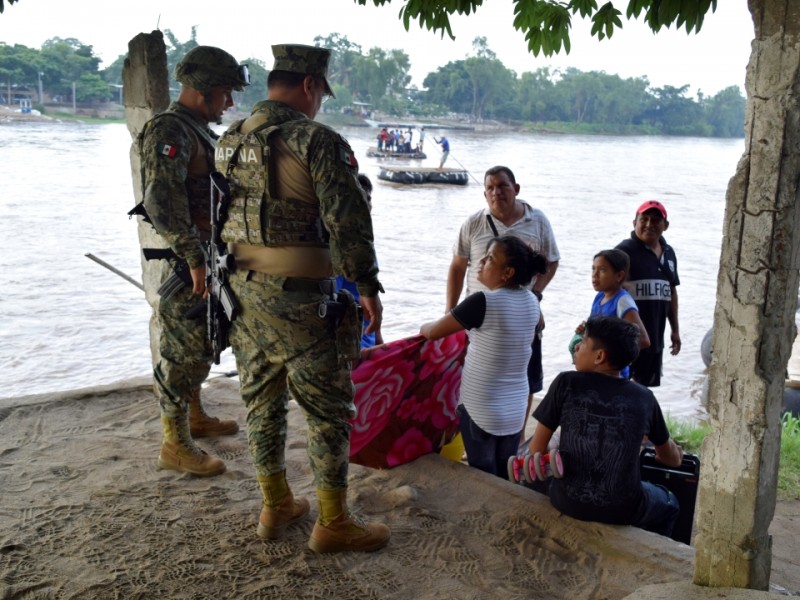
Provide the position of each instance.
(690, 437)
(789, 471)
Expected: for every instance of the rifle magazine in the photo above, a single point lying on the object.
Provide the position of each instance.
(171, 286)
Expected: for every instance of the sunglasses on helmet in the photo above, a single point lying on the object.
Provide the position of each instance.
(244, 74)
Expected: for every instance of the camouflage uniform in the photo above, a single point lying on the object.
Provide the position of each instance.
(176, 161)
(296, 215)
(281, 344)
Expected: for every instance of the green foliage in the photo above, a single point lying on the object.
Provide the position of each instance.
(2, 6)
(113, 72)
(58, 65)
(480, 86)
(789, 471)
(257, 90)
(175, 52)
(344, 56)
(19, 64)
(546, 24)
(577, 101)
(433, 15)
(369, 77)
(604, 21)
(725, 112)
(65, 61)
(90, 87)
(690, 436)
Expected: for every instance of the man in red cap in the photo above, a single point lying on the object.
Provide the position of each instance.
(653, 281)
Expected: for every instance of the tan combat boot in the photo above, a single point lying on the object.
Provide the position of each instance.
(203, 425)
(180, 453)
(280, 509)
(338, 530)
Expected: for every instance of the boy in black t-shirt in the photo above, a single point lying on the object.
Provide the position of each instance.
(603, 419)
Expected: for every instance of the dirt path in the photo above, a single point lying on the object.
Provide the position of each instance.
(785, 531)
(84, 512)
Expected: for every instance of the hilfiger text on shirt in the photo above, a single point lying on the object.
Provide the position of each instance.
(650, 289)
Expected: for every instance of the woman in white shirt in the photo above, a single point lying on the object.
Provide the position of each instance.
(501, 325)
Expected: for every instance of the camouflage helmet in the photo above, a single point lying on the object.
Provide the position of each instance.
(205, 67)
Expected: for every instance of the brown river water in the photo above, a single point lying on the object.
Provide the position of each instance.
(68, 323)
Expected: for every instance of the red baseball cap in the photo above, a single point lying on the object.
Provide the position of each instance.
(652, 204)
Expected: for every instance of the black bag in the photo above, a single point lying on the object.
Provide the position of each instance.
(681, 481)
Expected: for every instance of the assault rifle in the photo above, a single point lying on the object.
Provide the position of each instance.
(222, 305)
(180, 277)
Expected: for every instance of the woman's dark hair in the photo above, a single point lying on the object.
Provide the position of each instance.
(618, 337)
(521, 257)
(618, 260)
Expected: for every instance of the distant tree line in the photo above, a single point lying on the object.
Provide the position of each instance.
(479, 86)
(482, 87)
(56, 67)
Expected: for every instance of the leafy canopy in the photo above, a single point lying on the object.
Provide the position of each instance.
(546, 24)
(10, 2)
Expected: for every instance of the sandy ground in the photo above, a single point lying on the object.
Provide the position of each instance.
(86, 513)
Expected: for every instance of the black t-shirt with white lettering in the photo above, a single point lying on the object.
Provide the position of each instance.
(650, 283)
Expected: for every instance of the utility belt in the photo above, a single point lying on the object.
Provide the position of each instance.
(339, 308)
(298, 284)
(308, 262)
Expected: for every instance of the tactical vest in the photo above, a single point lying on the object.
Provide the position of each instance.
(198, 185)
(259, 214)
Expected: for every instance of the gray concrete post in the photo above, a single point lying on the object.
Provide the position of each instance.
(754, 316)
(146, 91)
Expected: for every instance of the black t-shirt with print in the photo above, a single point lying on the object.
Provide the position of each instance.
(602, 420)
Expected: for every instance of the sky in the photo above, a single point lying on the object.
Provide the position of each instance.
(709, 61)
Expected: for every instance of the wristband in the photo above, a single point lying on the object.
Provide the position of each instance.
(537, 294)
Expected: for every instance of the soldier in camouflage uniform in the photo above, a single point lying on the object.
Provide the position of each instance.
(177, 155)
(297, 216)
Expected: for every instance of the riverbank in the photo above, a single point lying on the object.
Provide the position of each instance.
(8, 115)
(86, 513)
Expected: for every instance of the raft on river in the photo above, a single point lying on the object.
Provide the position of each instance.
(397, 174)
(373, 152)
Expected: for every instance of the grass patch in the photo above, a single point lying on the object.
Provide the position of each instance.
(65, 116)
(590, 128)
(789, 472)
(690, 437)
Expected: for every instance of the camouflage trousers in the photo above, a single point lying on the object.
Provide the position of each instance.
(283, 347)
(185, 351)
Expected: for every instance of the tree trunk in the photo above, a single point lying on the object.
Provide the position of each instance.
(754, 316)
(146, 91)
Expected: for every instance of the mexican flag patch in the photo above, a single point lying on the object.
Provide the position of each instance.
(167, 150)
(347, 156)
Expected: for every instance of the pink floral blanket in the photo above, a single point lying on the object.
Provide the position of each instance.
(406, 397)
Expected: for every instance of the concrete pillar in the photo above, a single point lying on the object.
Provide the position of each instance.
(145, 83)
(754, 316)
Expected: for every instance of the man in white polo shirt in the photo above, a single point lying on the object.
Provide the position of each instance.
(504, 214)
